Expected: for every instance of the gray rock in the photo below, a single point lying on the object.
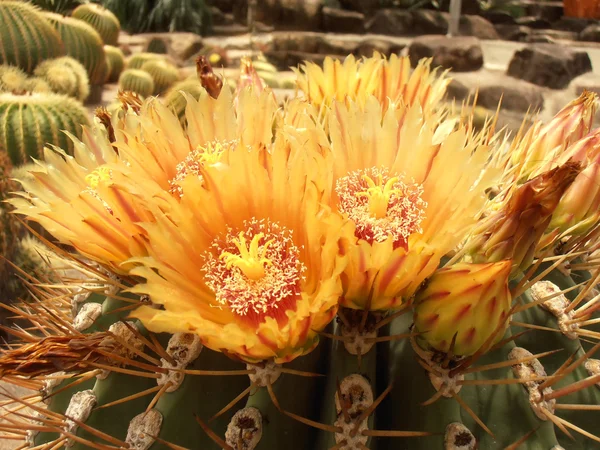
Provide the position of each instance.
(533, 22)
(369, 46)
(283, 60)
(549, 65)
(224, 5)
(367, 7)
(575, 24)
(590, 33)
(332, 45)
(461, 54)
(544, 9)
(498, 17)
(436, 22)
(298, 42)
(339, 21)
(517, 33)
(586, 82)
(556, 35)
(393, 22)
(290, 14)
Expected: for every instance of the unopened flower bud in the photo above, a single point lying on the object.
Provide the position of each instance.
(466, 303)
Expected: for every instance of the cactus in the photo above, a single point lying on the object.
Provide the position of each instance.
(137, 81)
(83, 43)
(65, 76)
(175, 98)
(163, 74)
(115, 60)
(101, 19)
(36, 85)
(139, 59)
(11, 78)
(352, 274)
(26, 46)
(157, 45)
(28, 122)
(9, 226)
(58, 6)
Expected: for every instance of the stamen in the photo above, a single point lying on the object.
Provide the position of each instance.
(381, 205)
(256, 271)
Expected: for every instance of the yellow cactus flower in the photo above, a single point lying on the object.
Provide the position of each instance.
(248, 258)
(466, 303)
(389, 80)
(412, 188)
(543, 145)
(82, 200)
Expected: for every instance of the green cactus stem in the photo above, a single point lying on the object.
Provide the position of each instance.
(101, 19)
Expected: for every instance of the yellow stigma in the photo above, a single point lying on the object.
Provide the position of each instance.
(251, 260)
(211, 153)
(379, 195)
(98, 175)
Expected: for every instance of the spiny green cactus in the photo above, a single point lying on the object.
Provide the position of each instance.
(335, 277)
(11, 78)
(101, 19)
(175, 100)
(36, 85)
(115, 60)
(83, 43)
(26, 38)
(157, 45)
(137, 60)
(164, 74)
(58, 6)
(138, 81)
(9, 226)
(29, 122)
(65, 75)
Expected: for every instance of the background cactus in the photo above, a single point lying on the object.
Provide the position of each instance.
(36, 85)
(26, 47)
(9, 226)
(510, 364)
(28, 122)
(164, 74)
(65, 75)
(176, 101)
(115, 61)
(157, 45)
(83, 43)
(139, 59)
(137, 81)
(101, 19)
(11, 78)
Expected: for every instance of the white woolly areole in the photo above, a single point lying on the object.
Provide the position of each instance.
(356, 442)
(124, 334)
(459, 437)
(265, 374)
(86, 316)
(50, 384)
(141, 429)
(357, 342)
(356, 397)
(530, 369)
(556, 306)
(245, 428)
(593, 368)
(31, 434)
(183, 348)
(79, 408)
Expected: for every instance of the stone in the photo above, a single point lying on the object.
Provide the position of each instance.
(366, 7)
(590, 33)
(335, 46)
(549, 65)
(544, 9)
(219, 17)
(225, 6)
(436, 22)
(299, 42)
(183, 46)
(393, 22)
(554, 35)
(586, 82)
(302, 15)
(370, 46)
(461, 54)
(339, 21)
(575, 24)
(283, 60)
(498, 17)
(477, 26)
(533, 22)
(239, 9)
(517, 33)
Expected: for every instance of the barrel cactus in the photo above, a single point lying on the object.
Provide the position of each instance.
(175, 97)
(9, 225)
(115, 61)
(101, 19)
(157, 45)
(65, 75)
(83, 43)
(137, 81)
(28, 122)
(26, 46)
(11, 78)
(163, 73)
(137, 60)
(351, 273)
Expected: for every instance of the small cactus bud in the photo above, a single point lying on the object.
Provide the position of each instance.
(514, 231)
(465, 303)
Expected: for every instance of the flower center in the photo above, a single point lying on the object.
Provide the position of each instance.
(256, 271)
(381, 206)
(208, 154)
(100, 174)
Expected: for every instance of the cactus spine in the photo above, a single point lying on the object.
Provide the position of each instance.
(82, 43)
(29, 122)
(101, 19)
(137, 81)
(65, 76)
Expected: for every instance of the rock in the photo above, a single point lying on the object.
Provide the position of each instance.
(366, 7)
(436, 22)
(239, 9)
(517, 33)
(549, 65)
(544, 9)
(369, 46)
(298, 42)
(334, 46)
(225, 6)
(586, 82)
(575, 24)
(590, 33)
(339, 21)
(183, 46)
(284, 60)
(533, 22)
(302, 15)
(461, 54)
(554, 35)
(220, 18)
(516, 95)
(393, 22)
(498, 17)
